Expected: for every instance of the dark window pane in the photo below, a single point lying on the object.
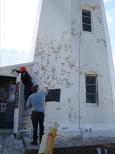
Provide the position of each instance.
(91, 98)
(86, 13)
(53, 95)
(86, 20)
(87, 27)
(91, 79)
(91, 88)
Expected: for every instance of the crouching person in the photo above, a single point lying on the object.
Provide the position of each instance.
(27, 81)
(36, 102)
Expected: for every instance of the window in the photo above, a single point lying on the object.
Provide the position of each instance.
(86, 20)
(91, 89)
(53, 95)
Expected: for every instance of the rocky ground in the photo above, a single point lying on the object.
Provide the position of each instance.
(10, 145)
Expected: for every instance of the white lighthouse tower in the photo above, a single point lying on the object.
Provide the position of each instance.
(73, 54)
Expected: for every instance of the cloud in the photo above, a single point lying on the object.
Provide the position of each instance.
(17, 30)
(109, 18)
(106, 0)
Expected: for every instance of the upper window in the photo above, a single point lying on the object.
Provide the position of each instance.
(91, 89)
(86, 20)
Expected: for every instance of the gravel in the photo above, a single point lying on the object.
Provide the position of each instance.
(10, 145)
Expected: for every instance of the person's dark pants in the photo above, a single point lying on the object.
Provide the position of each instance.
(37, 117)
(27, 93)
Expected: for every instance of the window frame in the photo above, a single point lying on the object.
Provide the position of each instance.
(96, 85)
(86, 23)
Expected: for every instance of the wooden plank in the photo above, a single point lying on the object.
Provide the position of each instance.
(50, 141)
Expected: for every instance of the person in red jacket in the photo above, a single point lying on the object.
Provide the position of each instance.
(27, 81)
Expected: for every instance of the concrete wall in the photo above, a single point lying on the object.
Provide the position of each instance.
(65, 54)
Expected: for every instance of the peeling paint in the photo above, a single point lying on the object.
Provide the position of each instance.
(64, 58)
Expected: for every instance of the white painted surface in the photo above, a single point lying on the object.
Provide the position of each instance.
(43, 144)
(16, 116)
(64, 54)
(99, 150)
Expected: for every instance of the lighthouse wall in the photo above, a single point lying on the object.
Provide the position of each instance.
(64, 55)
(95, 58)
(56, 64)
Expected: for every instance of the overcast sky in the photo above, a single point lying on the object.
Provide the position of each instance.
(110, 12)
(18, 19)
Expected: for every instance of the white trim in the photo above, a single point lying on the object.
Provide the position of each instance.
(16, 115)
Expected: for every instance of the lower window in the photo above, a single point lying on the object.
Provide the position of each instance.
(91, 89)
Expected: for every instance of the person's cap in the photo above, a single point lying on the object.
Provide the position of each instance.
(22, 69)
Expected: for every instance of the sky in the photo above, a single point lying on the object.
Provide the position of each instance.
(18, 18)
(110, 13)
